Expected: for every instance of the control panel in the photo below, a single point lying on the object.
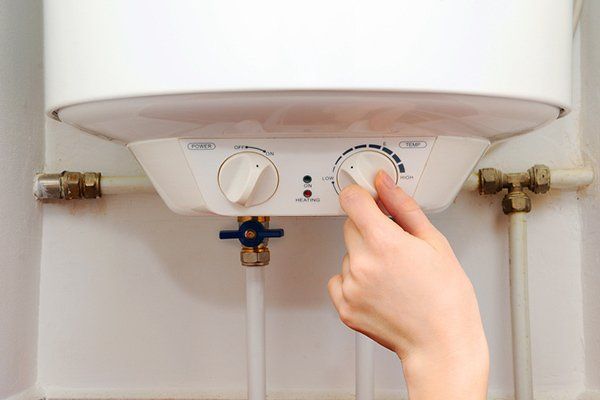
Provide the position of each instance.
(293, 176)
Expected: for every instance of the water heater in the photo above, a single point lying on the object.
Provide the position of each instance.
(271, 107)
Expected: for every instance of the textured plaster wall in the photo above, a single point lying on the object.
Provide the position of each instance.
(590, 210)
(21, 155)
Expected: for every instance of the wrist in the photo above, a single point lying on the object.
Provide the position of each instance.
(452, 372)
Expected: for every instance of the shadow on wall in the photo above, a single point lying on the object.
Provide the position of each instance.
(189, 252)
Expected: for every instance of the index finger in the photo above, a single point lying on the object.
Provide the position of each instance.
(362, 209)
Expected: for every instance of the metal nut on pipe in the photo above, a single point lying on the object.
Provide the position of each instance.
(517, 201)
(539, 178)
(491, 181)
(90, 185)
(255, 257)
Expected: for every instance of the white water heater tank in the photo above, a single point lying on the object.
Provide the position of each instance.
(271, 107)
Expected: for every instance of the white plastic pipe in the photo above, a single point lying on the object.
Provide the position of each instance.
(365, 375)
(519, 304)
(110, 185)
(255, 333)
(568, 179)
(562, 179)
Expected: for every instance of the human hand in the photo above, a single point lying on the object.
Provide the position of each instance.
(402, 286)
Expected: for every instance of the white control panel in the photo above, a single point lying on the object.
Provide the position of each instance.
(298, 176)
(301, 176)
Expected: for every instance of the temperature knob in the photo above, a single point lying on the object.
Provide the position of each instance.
(248, 179)
(360, 168)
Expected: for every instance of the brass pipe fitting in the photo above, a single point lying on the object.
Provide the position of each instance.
(67, 185)
(536, 179)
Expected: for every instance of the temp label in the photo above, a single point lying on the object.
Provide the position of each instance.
(412, 144)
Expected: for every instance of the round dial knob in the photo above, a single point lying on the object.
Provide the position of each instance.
(248, 179)
(360, 168)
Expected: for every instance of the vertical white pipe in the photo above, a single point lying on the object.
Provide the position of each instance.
(365, 376)
(519, 302)
(255, 333)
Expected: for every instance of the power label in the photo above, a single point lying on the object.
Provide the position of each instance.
(201, 146)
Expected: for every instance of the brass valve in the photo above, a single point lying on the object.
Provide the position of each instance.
(253, 233)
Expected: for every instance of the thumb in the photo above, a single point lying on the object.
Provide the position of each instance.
(362, 209)
(404, 209)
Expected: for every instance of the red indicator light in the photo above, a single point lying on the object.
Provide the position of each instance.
(307, 193)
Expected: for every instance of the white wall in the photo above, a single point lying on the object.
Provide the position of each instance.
(590, 58)
(21, 152)
(138, 301)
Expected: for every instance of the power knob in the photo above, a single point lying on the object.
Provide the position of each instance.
(248, 179)
(362, 167)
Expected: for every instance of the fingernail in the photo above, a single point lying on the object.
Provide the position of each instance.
(386, 180)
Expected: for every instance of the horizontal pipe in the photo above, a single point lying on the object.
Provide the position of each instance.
(68, 185)
(472, 183)
(570, 179)
(46, 186)
(560, 179)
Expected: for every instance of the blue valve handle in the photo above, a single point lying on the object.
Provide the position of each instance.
(261, 233)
